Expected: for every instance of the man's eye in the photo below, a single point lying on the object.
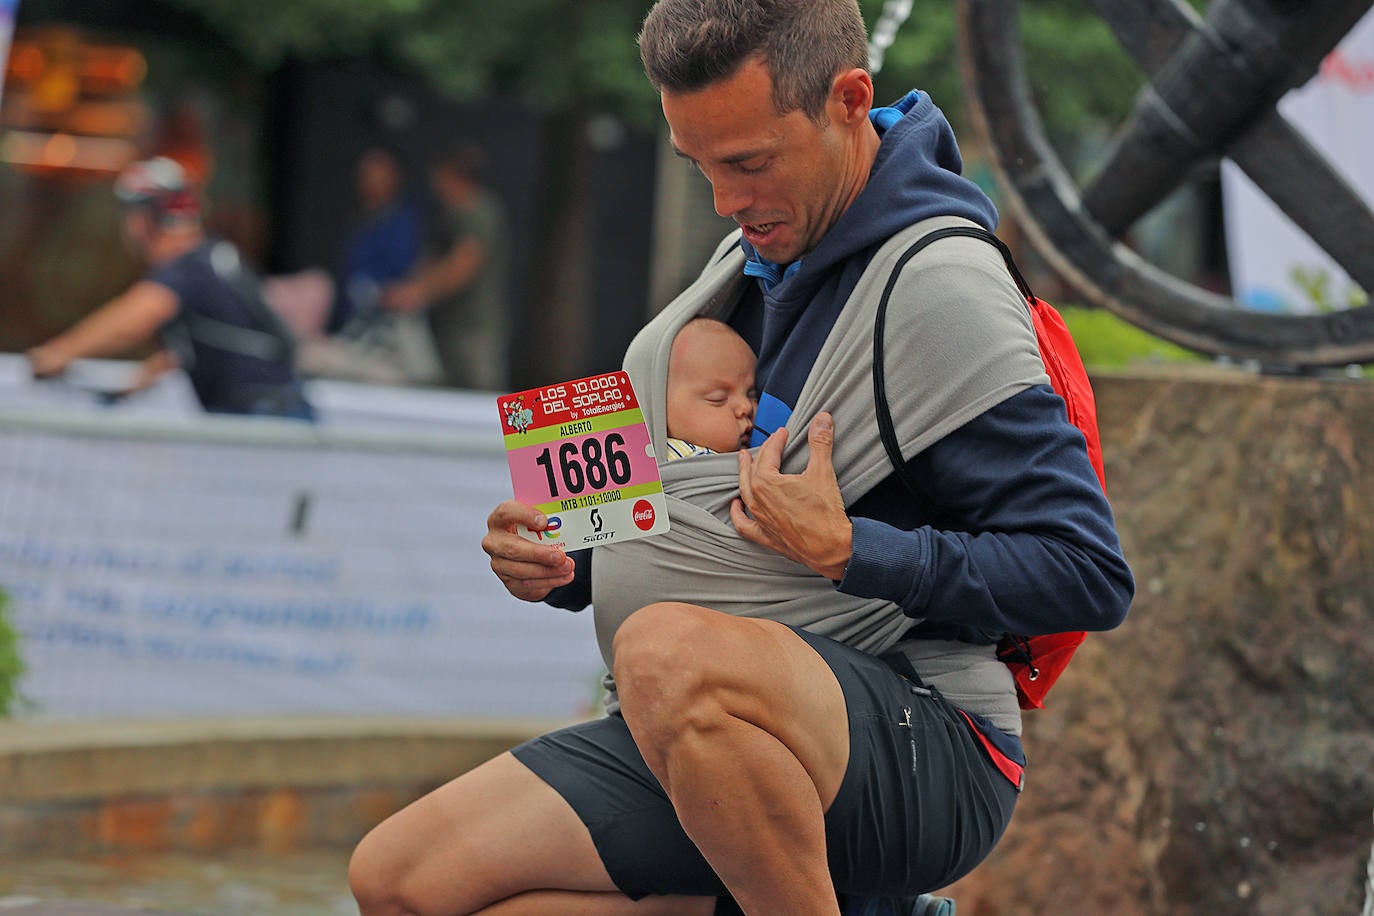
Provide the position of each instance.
(753, 168)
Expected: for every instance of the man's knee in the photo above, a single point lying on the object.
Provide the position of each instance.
(388, 875)
(664, 650)
(375, 876)
(670, 672)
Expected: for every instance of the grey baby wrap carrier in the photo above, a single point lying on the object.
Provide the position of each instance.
(959, 341)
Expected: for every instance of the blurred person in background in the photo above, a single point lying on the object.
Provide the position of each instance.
(197, 298)
(460, 283)
(385, 242)
(359, 339)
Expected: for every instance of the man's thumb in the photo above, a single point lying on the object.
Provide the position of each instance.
(821, 435)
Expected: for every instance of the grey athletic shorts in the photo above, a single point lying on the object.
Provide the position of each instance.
(920, 804)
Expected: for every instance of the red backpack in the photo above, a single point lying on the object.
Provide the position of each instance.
(1035, 661)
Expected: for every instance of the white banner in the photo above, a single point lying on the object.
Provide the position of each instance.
(1274, 265)
(174, 565)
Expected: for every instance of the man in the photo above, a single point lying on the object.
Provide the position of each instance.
(384, 245)
(366, 341)
(197, 297)
(461, 281)
(754, 752)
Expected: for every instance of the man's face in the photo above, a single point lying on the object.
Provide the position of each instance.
(784, 178)
(136, 230)
(378, 180)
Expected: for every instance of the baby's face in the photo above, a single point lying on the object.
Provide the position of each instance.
(711, 398)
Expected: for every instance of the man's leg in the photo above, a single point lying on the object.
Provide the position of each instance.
(495, 840)
(746, 728)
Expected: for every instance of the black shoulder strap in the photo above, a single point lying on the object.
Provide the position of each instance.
(268, 338)
(886, 430)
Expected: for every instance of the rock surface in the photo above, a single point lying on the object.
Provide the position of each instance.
(1215, 754)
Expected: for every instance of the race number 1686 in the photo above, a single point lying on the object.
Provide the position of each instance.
(593, 462)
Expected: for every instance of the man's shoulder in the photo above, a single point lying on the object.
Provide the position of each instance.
(181, 268)
(901, 241)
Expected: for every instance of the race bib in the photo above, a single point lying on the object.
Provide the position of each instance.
(580, 453)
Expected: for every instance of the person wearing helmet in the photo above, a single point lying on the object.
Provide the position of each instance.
(197, 298)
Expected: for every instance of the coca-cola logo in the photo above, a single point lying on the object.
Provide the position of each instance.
(644, 515)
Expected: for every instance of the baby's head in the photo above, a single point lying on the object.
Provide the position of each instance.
(711, 397)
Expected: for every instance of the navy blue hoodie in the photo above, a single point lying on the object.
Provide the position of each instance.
(1025, 542)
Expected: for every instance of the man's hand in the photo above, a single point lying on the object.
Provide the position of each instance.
(801, 516)
(150, 370)
(529, 571)
(46, 361)
(405, 296)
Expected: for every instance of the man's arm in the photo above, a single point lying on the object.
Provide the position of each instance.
(124, 322)
(1026, 542)
(152, 369)
(448, 274)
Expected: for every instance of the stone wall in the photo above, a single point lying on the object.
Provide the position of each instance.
(85, 789)
(1215, 754)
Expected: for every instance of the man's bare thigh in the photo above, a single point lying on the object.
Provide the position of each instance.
(496, 831)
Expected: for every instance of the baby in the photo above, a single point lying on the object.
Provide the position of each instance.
(711, 397)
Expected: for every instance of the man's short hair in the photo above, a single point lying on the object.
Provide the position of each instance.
(687, 45)
(463, 158)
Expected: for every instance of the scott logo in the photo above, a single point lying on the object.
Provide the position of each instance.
(551, 532)
(644, 515)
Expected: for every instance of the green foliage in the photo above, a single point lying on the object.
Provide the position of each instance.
(1082, 81)
(1317, 284)
(11, 665)
(1107, 342)
(582, 53)
(553, 53)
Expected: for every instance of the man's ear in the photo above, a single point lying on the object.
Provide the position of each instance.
(851, 95)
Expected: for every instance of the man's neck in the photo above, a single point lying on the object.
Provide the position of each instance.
(173, 242)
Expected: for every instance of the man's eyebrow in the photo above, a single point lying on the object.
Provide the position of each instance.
(732, 159)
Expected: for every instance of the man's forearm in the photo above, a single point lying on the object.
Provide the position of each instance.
(452, 272)
(116, 327)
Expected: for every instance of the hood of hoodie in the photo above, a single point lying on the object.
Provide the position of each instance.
(917, 174)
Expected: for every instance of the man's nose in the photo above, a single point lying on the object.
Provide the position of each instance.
(730, 195)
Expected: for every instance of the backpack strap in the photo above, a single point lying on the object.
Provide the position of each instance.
(267, 338)
(886, 430)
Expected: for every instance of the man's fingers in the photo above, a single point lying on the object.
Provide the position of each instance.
(767, 460)
(820, 436)
(533, 589)
(746, 476)
(513, 555)
(751, 530)
(510, 514)
(770, 453)
(532, 574)
(746, 526)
